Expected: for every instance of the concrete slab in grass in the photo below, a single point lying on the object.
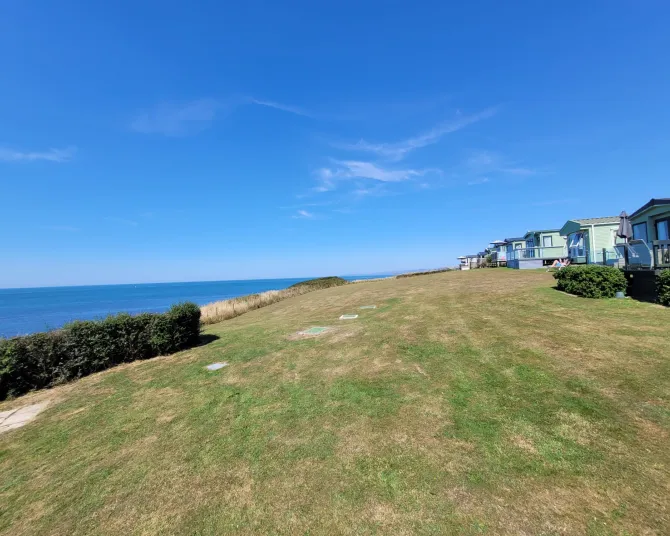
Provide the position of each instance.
(314, 331)
(317, 330)
(217, 366)
(348, 317)
(368, 307)
(17, 418)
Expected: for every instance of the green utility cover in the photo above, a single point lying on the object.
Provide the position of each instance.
(314, 331)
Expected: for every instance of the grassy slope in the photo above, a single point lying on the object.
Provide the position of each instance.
(468, 402)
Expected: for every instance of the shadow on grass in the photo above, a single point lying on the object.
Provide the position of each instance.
(206, 338)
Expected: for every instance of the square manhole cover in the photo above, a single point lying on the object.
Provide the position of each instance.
(348, 317)
(314, 331)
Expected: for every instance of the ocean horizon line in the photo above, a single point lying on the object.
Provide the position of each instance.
(25, 310)
(206, 281)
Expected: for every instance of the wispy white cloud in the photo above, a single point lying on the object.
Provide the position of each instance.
(50, 155)
(121, 221)
(482, 160)
(398, 150)
(283, 107)
(379, 189)
(492, 162)
(480, 180)
(302, 205)
(362, 191)
(355, 169)
(363, 174)
(326, 178)
(303, 214)
(368, 170)
(171, 119)
(185, 118)
(524, 172)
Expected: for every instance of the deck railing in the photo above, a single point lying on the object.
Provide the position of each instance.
(498, 256)
(538, 253)
(634, 255)
(638, 255)
(662, 253)
(610, 257)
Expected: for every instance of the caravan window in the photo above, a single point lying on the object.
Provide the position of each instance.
(640, 231)
(576, 239)
(576, 245)
(663, 229)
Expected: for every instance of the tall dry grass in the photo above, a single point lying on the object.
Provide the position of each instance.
(385, 278)
(226, 309)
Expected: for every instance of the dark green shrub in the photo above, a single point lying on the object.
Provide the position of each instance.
(429, 272)
(92, 346)
(30, 362)
(160, 335)
(663, 287)
(591, 281)
(321, 282)
(185, 319)
(83, 347)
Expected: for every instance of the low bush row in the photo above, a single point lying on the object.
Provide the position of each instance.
(427, 272)
(83, 347)
(591, 281)
(321, 282)
(663, 287)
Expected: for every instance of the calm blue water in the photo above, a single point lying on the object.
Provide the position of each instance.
(28, 310)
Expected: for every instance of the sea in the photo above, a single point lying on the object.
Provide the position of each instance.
(29, 310)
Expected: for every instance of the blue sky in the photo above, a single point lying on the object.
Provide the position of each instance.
(178, 141)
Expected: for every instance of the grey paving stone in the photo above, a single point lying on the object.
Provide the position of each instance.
(21, 416)
(216, 366)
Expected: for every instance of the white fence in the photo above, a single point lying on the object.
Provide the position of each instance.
(541, 252)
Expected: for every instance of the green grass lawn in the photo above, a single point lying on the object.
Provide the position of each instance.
(481, 402)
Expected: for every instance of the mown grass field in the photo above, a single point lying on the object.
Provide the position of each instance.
(480, 402)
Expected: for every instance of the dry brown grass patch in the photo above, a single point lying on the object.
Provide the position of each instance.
(524, 443)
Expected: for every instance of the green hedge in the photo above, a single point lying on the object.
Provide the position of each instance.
(663, 287)
(591, 281)
(321, 282)
(428, 272)
(81, 348)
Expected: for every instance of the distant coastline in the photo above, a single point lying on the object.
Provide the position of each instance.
(29, 310)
